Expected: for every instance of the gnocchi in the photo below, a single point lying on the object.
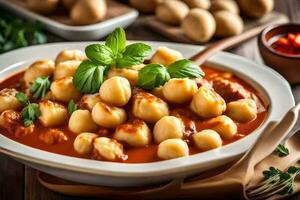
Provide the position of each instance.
(88, 101)
(66, 69)
(108, 148)
(243, 110)
(207, 140)
(130, 73)
(168, 127)
(165, 56)
(224, 126)
(172, 148)
(70, 54)
(81, 121)
(52, 113)
(83, 143)
(8, 100)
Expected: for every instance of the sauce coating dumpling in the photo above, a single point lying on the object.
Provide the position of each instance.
(172, 148)
(8, 100)
(224, 126)
(179, 90)
(64, 90)
(88, 101)
(108, 148)
(130, 73)
(165, 56)
(168, 127)
(149, 107)
(74, 54)
(108, 116)
(115, 91)
(52, 114)
(38, 69)
(81, 121)
(66, 69)
(207, 140)
(243, 110)
(136, 134)
(83, 143)
(207, 103)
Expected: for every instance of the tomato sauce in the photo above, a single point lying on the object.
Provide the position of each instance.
(287, 44)
(142, 154)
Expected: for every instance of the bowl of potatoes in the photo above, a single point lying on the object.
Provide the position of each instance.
(167, 122)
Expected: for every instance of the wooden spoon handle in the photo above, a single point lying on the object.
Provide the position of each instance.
(226, 43)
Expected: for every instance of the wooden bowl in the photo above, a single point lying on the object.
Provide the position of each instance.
(287, 65)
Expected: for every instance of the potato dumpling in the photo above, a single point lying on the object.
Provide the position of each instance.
(149, 107)
(207, 103)
(68, 4)
(243, 110)
(199, 25)
(134, 133)
(38, 69)
(52, 114)
(145, 6)
(179, 90)
(130, 73)
(64, 90)
(86, 12)
(88, 101)
(256, 8)
(109, 149)
(204, 4)
(207, 139)
(8, 100)
(71, 54)
(172, 148)
(108, 116)
(165, 56)
(115, 91)
(229, 5)
(228, 24)
(66, 69)
(224, 126)
(171, 11)
(43, 7)
(158, 91)
(83, 143)
(81, 121)
(168, 127)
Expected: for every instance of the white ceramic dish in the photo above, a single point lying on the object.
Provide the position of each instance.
(68, 32)
(273, 88)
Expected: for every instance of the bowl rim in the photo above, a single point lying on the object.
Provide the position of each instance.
(268, 82)
(269, 48)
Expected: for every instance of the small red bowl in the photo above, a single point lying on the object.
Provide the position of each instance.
(287, 65)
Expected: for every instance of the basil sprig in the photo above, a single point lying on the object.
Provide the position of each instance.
(152, 76)
(30, 112)
(40, 87)
(155, 75)
(71, 107)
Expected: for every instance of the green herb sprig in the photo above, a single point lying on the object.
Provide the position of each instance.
(40, 87)
(281, 150)
(71, 107)
(30, 111)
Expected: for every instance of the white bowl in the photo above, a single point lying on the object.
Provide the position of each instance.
(273, 88)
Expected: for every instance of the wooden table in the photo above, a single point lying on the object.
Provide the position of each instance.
(18, 181)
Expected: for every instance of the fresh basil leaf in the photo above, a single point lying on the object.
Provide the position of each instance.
(134, 54)
(71, 107)
(30, 113)
(40, 87)
(185, 69)
(100, 54)
(116, 41)
(22, 98)
(282, 151)
(88, 77)
(152, 76)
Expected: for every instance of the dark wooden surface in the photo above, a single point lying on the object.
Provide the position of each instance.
(19, 182)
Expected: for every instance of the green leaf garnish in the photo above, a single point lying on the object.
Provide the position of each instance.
(88, 77)
(152, 76)
(134, 54)
(100, 54)
(22, 98)
(71, 107)
(116, 41)
(40, 87)
(281, 150)
(185, 69)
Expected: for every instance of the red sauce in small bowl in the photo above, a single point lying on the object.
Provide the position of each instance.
(287, 44)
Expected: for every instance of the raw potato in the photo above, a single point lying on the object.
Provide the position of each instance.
(83, 143)
(69, 3)
(86, 12)
(171, 11)
(207, 139)
(199, 25)
(172, 148)
(168, 127)
(8, 101)
(81, 121)
(204, 4)
(256, 8)
(42, 6)
(229, 5)
(165, 56)
(108, 148)
(228, 24)
(243, 110)
(145, 6)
